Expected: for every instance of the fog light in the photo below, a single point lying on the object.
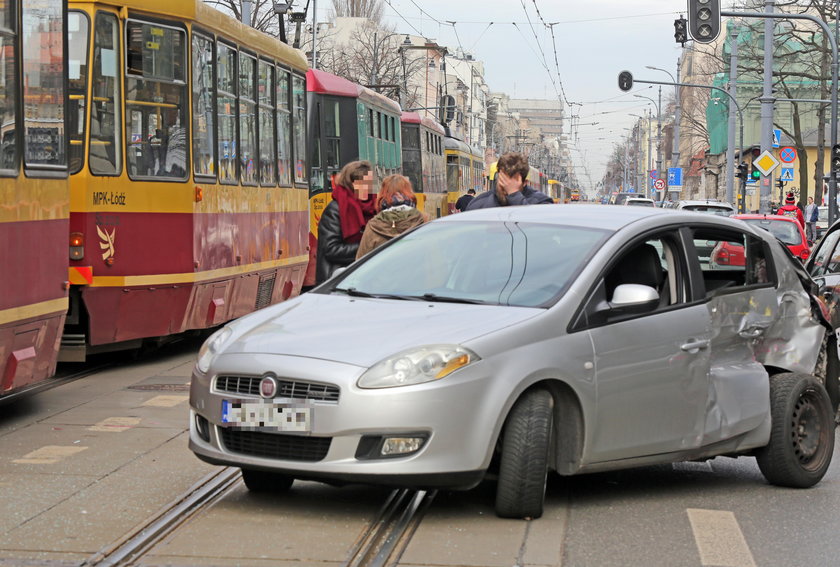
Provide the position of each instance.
(202, 427)
(401, 445)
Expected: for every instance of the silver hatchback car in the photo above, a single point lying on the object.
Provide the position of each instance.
(521, 340)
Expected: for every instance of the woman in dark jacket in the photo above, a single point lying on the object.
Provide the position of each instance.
(343, 221)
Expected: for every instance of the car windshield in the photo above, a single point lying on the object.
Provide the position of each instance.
(712, 209)
(640, 203)
(787, 232)
(476, 262)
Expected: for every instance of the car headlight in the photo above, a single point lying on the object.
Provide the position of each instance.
(211, 348)
(417, 365)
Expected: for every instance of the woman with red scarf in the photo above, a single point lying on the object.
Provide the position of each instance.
(344, 219)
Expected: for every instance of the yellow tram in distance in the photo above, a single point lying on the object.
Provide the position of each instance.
(464, 169)
(188, 189)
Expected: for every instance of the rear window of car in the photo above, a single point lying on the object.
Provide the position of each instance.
(522, 264)
(712, 209)
(787, 232)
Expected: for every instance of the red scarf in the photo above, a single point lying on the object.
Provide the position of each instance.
(352, 212)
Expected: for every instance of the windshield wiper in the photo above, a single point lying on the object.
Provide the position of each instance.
(448, 299)
(352, 291)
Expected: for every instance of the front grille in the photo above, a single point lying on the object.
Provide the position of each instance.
(276, 445)
(292, 389)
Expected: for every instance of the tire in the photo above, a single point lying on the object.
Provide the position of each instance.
(828, 371)
(523, 467)
(266, 482)
(802, 435)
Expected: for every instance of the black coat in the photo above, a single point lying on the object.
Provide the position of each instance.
(333, 251)
(527, 196)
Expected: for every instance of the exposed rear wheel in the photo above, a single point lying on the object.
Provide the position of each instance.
(828, 371)
(523, 466)
(263, 481)
(802, 435)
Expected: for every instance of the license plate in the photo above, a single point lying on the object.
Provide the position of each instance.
(282, 416)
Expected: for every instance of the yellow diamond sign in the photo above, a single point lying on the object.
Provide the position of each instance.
(766, 163)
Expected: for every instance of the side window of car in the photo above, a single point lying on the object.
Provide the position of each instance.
(731, 260)
(827, 258)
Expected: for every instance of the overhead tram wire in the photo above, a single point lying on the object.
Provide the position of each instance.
(403, 17)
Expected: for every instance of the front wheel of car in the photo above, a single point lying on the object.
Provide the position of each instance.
(267, 482)
(802, 436)
(828, 370)
(523, 466)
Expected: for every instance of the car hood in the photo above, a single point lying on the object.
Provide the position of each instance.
(363, 331)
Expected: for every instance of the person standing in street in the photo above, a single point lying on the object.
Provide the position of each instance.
(464, 200)
(812, 213)
(511, 185)
(397, 212)
(343, 220)
(789, 209)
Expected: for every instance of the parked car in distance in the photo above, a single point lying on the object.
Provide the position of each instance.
(822, 220)
(640, 202)
(710, 206)
(509, 342)
(619, 198)
(786, 229)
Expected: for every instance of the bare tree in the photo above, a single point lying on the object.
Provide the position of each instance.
(263, 17)
(371, 9)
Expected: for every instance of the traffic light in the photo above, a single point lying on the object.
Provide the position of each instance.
(625, 80)
(741, 170)
(704, 20)
(681, 31)
(755, 174)
(835, 159)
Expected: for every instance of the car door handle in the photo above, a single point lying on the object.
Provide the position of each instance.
(752, 333)
(695, 345)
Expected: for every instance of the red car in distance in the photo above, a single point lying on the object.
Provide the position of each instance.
(786, 229)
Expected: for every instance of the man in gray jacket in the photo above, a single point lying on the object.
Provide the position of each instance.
(511, 187)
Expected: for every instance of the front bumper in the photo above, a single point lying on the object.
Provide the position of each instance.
(459, 417)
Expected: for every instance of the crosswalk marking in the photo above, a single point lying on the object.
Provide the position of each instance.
(115, 424)
(49, 455)
(719, 538)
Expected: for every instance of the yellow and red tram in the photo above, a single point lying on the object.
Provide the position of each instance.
(464, 169)
(34, 217)
(188, 193)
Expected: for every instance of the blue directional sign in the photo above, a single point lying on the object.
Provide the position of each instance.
(787, 174)
(777, 138)
(674, 177)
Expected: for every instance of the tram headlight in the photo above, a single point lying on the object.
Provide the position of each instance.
(417, 365)
(211, 348)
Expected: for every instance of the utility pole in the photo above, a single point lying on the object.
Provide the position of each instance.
(246, 12)
(675, 152)
(314, 34)
(659, 143)
(767, 100)
(730, 139)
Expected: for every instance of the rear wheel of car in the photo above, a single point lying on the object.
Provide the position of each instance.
(828, 370)
(523, 466)
(263, 481)
(802, 435)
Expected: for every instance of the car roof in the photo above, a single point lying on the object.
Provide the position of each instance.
(604, 217)
(704, 202)
(753, 216)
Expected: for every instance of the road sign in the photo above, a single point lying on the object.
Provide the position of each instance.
(787, 154)
(659, 184)
(674, 177)
(766, 163)
(787, 174)
(777, 138)
(654, 174)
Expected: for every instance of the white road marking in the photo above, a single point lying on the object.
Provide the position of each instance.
(49, 455)
(719, 538)
(115, 424)
(165, 401)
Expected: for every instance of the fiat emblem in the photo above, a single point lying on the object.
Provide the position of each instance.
(268, 387)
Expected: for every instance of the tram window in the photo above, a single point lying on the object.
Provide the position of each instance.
(204, 155)
(155, 101)
(8, 87)
(370, 123)
(284, 130)
(247, 120)
(332, 134)
(77, 44)
(43, 123)
(105, 119)
(299, 103)
(268, 145)
(226, 112)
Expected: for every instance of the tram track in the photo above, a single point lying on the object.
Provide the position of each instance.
(380, 544)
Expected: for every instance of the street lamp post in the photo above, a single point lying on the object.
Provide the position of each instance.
(658, 134)
(675, 149)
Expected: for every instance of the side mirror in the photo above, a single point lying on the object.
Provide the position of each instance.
(633, 298)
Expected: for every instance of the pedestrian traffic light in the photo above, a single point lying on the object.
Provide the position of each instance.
(681, 31)
(835, 158)
(704, 20)
(625, 80)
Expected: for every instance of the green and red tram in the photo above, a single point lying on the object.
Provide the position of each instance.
(424, 162)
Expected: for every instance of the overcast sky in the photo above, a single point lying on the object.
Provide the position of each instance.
(595, 39)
